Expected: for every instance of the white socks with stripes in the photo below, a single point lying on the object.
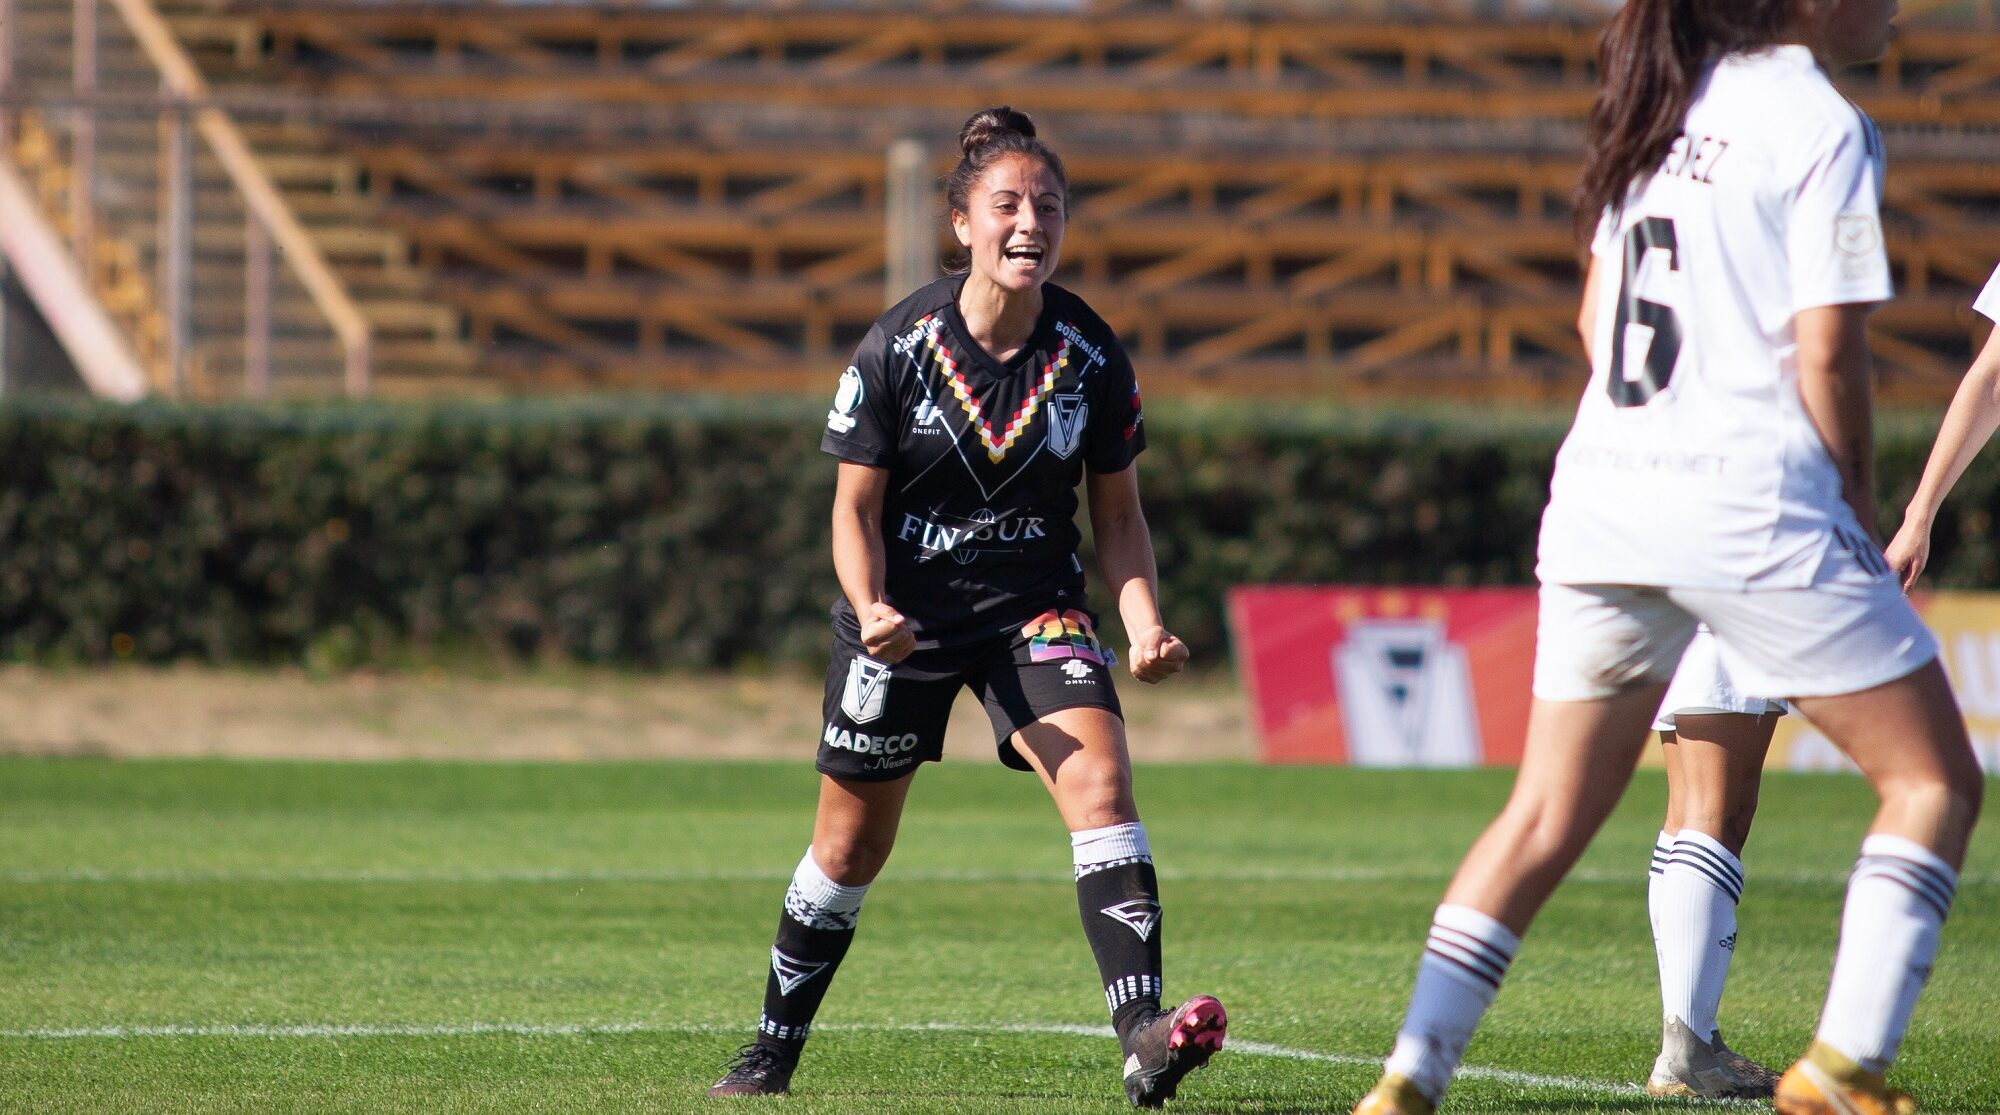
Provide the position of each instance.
(1896, 904)
(1692, 898)
(1464, 961)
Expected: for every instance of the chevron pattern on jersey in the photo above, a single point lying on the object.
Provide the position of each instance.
(997, 445)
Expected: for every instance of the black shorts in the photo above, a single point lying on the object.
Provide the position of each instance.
(880, 721)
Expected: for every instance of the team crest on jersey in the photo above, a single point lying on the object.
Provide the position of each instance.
(846, 400)
(867, 690)
(1067, 416)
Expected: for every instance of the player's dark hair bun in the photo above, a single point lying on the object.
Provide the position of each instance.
(990, 136)
(989, 123)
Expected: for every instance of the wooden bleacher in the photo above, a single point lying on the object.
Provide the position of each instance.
(1265, 203)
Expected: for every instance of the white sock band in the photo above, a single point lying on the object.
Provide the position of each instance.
(1896, 905)
(1096, 849)
(1696, 895)
(817, 901)
(1465, 959)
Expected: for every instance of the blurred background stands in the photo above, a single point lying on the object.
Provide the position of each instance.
(1354, 199)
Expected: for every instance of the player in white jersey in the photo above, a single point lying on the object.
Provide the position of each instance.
(1713, 738)
(1968, 424)
(1720, 471)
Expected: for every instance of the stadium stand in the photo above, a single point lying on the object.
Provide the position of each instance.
(1271, 198)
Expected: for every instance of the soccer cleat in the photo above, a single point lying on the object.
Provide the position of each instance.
(1762, 1081)
(1395, 1095)
(1170, 1045)
(758, 1070)
(1825, 1082)
(1691, 1068)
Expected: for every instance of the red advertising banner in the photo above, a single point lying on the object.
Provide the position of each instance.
(1410, 676)
(1389, 676)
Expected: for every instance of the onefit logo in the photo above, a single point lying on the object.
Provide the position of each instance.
(861, 743)
(928, 418)
(1077, 669)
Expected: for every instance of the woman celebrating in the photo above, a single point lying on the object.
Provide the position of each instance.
(969, 416)
(1720, 471)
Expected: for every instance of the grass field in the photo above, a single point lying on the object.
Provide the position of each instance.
(217, 936)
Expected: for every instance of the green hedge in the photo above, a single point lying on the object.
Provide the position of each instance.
(688, 532)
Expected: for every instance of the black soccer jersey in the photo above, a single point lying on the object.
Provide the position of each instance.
(984, 458)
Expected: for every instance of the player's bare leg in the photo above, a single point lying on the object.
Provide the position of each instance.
(1577, 762)
(1909, 739)
(1081, 757)
(853, 833)
(1714, 769)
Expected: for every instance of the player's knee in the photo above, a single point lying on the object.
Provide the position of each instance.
(1098, 794)
(1950, 800)
(852, 859)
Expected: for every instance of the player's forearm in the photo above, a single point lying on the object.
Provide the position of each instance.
(1835, 385)
(858, 557)
(1968, 424)
(1125, 557)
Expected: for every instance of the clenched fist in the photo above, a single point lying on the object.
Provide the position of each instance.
(1156, 655)
(886, 635)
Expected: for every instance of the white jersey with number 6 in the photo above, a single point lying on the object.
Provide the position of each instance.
(1692, 462)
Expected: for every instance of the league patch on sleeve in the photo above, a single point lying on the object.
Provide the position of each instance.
(846, 400)
(1857, 237)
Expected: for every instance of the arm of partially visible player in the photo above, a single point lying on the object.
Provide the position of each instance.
(1968, 425)
(1835, 384)
(1125, 556)
(861, 565)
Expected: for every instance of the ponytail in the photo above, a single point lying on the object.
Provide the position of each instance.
(1649, 64)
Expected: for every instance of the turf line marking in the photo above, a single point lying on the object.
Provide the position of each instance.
(586, 1029)
(560, 875)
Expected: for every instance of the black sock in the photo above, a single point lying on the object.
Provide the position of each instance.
(813, 935)
(1120, 904)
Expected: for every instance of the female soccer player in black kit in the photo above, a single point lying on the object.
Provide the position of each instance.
(971, 412)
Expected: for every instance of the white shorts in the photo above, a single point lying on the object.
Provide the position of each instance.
(1853, 631)
(1701, 686)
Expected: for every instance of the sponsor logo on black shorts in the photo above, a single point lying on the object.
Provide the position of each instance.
(861, 743)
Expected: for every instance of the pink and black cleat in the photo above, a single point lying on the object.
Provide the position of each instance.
(1169, 1046)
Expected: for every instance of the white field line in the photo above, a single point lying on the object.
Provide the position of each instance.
(585, 1029)
(559, 875)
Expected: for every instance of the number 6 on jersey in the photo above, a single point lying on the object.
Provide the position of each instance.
(1634, 387)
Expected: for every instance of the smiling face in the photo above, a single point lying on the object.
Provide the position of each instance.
(1846, 32)
(1012, 225)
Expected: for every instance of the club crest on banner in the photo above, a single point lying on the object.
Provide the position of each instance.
(1067, 416)
(1406, 695)
(867, 690)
